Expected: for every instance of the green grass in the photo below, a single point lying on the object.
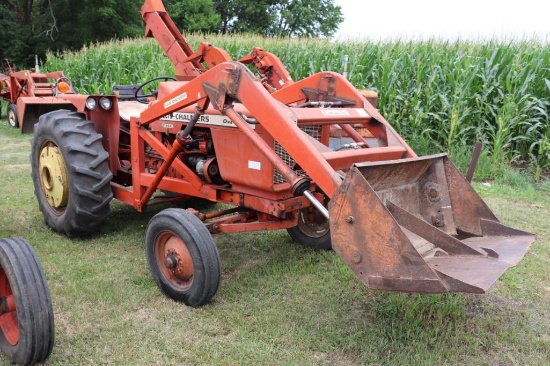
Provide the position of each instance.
(440, 95)
(279, 303)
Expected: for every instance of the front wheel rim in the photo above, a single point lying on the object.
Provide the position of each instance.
(174, 260)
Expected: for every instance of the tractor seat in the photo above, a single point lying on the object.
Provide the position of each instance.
(130, 109)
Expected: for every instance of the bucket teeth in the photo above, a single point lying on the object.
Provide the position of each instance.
(412, 229)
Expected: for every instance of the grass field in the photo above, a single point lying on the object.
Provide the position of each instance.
(279, 303)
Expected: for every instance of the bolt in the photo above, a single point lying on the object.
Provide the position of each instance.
(433, 192)
(350, 219)
(356, 257)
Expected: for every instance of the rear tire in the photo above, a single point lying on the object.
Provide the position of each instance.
(182, 257)
(26, 329)
(13, 118)
(313, 230)
(70, 172)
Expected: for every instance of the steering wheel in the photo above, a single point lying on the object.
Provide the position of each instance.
(143, 97)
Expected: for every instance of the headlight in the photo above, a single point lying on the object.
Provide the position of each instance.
(91, 103)
(105, 103)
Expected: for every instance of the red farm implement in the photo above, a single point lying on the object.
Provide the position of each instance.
(314, 157)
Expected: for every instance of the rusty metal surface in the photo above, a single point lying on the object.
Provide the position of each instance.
(448, 243)
(510, 249)
(395, 224)
(495, 228)
(370, 241)
(473, 163)
(468, 273)
(417, 185)
(468, 207)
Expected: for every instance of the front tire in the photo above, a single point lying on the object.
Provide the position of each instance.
(182, 257)
(70, 172)
(13, 118)
(26, 320)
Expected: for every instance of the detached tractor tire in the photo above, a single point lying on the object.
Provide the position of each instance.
(26, 313)
(70, 172)
(13, 118)
(313, 230)
(182, 257)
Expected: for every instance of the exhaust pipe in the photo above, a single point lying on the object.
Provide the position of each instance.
(36, 65)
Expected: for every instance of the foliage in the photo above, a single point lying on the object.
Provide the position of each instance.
(193, 15)
(25, 28)
(305, 18)
(32, 27)
(438, 95)
(284, 18)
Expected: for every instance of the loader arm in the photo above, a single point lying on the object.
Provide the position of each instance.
(400, 222)
(270, 67)
(233, 82)
(189, 64)
(160, 26)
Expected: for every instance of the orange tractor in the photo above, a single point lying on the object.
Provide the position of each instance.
(313, 157)
(29, 94)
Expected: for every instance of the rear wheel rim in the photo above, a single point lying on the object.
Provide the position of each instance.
(174, 260)
(53, 176)
(9, 323)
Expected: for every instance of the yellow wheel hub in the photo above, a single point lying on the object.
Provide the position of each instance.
(53, 176)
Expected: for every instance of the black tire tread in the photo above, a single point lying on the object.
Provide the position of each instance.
(206, 284)
(87, 165)
(321, 243)
(33, 302)
(13, 108)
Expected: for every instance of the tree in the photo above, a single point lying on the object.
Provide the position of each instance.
(306, 18)
(84, 22)
(24, 23)
(193, 15)
(284, 18)
(245, 16)
(31, 27)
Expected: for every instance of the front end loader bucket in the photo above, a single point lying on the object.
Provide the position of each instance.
(416, 225)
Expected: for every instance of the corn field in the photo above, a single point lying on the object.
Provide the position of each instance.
(439, 95)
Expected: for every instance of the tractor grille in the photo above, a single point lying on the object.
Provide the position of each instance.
(313, 131)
